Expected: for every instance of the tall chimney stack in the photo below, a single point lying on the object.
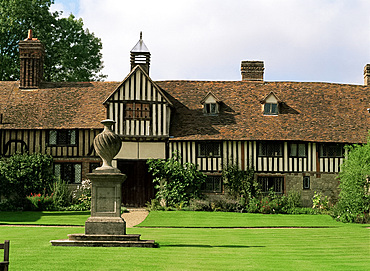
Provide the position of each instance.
(252, 70)
(31, 52)
(367, 75)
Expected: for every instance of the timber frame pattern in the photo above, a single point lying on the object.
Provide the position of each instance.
(292, 133)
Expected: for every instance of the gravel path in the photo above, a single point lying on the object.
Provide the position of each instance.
(135, 216)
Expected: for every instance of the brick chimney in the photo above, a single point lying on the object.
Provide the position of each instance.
(367, 75)
(252, 70)
(31, 52)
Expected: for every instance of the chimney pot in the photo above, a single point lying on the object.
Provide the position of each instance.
(252, 70)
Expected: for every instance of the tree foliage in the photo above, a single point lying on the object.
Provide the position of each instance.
(23, 174)
(354, 196)
(72, 52)
(176, 183)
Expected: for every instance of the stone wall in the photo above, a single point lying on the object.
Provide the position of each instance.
(327, 184)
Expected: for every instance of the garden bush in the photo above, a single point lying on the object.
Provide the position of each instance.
(81, 197)
(176, 183)
(354, 196)
(23, 174)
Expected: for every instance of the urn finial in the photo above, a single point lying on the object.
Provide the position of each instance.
(107, 145)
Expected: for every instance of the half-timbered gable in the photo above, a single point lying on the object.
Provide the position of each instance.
(140, 107)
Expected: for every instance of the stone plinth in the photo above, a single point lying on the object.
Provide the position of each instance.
(106, 203)
(105, 227)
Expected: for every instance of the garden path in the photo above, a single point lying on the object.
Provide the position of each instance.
(135, 216)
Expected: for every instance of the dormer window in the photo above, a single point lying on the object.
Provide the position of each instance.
(270, 104)
(210, 108)
(211, 104)
(270, 109)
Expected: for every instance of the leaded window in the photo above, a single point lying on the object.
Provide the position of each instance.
(297, 150)
(68, 172)
(209, 149)
(271, 183)
(62, 137)
(213, 184)
(140, 111)
(270, 149)
(331, 150)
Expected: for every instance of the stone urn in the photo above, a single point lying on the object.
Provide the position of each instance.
(107, 145)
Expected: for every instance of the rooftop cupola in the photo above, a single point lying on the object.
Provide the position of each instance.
(140, 55)
(31, 52)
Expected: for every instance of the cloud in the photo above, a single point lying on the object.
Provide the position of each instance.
(313, 40)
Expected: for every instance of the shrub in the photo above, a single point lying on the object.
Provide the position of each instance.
(62, 196)
(354, 196)
(176, 183)
(291, 202)
(81, 197)
(23, 174)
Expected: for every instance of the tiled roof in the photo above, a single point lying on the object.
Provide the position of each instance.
(316, 112)
(54, 105)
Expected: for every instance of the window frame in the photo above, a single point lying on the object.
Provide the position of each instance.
(270, 111)
(297, 155)
(206, 145)
(132, 112)
(71, 136)
(270, 144)
(213, 179)
(210, 108)
(306, 183)
(62, 172)
(264, 183)
(324, 148)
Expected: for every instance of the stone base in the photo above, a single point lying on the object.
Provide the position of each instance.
(105, 226)
(88, 240)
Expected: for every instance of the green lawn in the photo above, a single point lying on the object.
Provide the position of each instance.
(339, 247)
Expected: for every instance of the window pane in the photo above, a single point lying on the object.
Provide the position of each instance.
(62, 137)
(293, 150)
(72, 139)
(78, 170)
(267, 108)
(302, 150)
(57, 170)
(53, 137)
(213, 108)
(274, 109)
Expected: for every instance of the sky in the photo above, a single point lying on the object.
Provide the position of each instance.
(298, 40)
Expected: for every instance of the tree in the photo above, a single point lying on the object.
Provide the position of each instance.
(354, 196)
(72, 53)
(177, 183)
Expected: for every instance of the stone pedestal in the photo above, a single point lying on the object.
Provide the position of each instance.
(106, 203)
(105, 227)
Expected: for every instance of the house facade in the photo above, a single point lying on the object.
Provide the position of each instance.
(292, 133)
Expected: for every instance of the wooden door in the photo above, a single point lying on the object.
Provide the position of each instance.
(138, 188)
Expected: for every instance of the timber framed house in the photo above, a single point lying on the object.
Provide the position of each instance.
(292, 133)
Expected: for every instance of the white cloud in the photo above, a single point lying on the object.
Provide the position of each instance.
(312, 40)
